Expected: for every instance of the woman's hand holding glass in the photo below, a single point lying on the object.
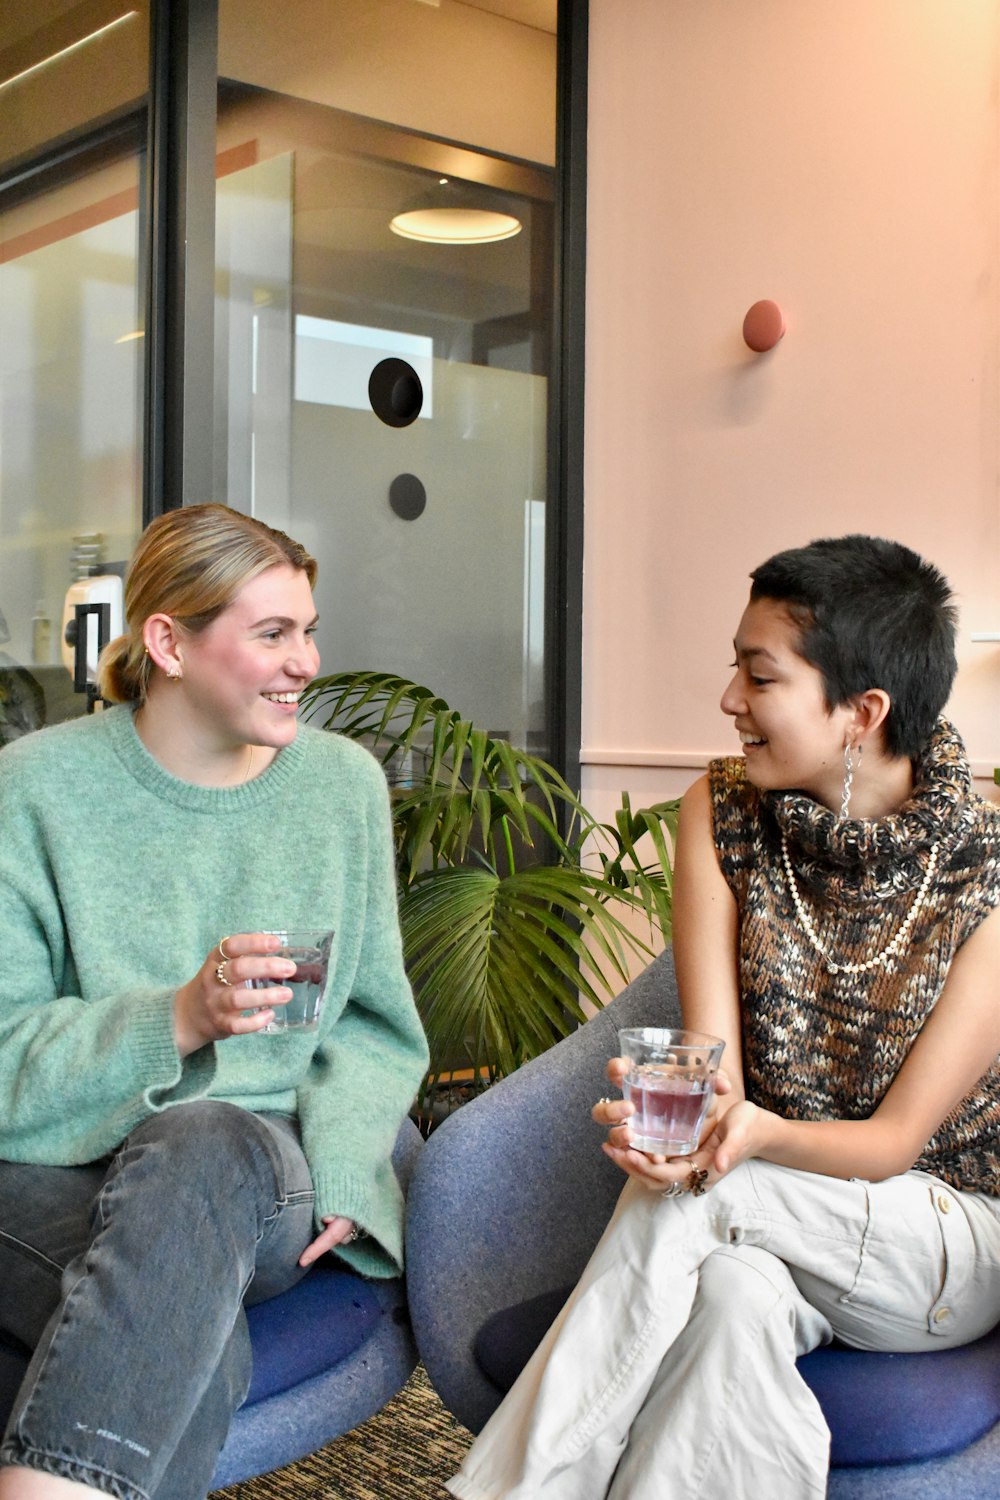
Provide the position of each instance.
(213, 1005)
(658, 1172)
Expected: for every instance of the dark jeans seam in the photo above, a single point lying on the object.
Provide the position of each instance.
(29, 1252)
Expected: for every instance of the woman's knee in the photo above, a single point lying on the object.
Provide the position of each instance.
(742, 1283)
(204, 1125)
(207, 1147)
(747, 1294)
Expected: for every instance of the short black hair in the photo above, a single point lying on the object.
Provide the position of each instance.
(872, 614)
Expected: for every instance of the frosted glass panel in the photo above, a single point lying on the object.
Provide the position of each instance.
(441, 599)
(313, 292)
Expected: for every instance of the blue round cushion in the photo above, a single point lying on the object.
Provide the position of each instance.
(880, 1408)
(897, 1408)
(309, 1329)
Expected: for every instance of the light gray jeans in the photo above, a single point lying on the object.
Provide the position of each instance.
(128, 1279)
(671, 1370)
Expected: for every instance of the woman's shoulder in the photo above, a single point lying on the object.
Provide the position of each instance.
(735, 808)
(971, 858)
(342, 757)
(984, 817)
(58, 749)
(729, 789)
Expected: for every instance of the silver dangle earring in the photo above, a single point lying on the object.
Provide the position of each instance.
(845, 800)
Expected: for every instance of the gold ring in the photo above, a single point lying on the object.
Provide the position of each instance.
(222, 949)
(696, 1182)
(220, 974)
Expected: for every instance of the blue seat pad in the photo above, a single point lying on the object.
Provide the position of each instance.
(309, 1329)
(880, 1408)
(303, 1333)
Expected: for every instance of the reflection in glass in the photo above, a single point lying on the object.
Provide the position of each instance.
(314, 288)
(70, 352)
(73, 75)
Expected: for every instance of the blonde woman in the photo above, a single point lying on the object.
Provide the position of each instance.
(161, 1157)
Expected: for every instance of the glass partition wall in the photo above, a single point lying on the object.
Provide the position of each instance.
(430, 531)
(436, 503)
(70, 327)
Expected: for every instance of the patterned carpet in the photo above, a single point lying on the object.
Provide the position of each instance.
(405, 1452)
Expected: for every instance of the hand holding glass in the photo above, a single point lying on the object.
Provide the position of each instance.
(670, 1081)
(309, 951)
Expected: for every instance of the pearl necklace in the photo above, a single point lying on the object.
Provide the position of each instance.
(891, 950)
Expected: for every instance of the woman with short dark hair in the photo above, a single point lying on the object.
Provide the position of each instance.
(836, 895)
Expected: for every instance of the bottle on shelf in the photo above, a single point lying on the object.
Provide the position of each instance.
(41, 635)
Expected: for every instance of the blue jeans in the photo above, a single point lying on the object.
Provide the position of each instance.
(128, 1279)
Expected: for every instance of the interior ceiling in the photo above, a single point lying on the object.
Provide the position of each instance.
(538, 13)
(342, 239)
(343, 204)
(344, 250)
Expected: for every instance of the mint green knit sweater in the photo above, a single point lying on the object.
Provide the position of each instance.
(116, 880)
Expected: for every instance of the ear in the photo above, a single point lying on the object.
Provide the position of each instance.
(163, 639)
(870, 711)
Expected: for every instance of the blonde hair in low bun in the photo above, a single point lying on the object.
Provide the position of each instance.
(120, 678)
(189, 564)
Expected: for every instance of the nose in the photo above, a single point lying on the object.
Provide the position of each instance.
(733, 700)
(304, 660)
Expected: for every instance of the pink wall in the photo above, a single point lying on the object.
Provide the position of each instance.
(840, 157)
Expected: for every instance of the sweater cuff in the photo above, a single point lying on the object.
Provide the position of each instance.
(172, 1079)
(375, 1207)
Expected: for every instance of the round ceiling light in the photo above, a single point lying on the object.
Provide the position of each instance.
(455, 226)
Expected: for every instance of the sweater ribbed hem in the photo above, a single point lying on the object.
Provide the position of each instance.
(342, 1191)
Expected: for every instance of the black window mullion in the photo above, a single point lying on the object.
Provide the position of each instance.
(180, 215)
(564, 533)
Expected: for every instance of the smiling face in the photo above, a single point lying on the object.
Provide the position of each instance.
(243, 674)
(791, 739)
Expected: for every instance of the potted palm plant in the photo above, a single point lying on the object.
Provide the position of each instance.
(515, 902)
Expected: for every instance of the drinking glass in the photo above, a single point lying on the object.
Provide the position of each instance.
(309, 950)
(669, 1080)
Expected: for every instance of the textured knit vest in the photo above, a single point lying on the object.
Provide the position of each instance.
(826, 1046)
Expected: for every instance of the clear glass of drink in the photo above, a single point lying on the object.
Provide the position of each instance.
(670, 1082)
(309, 950)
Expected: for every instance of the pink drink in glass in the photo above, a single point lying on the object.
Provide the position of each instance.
(670, 1082)
(668, 1111)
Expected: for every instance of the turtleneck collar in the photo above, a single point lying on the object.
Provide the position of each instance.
(937, 812)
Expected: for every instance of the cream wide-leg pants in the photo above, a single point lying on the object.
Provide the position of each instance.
(670, 1373)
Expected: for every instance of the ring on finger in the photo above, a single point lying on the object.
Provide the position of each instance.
(674, 1190)
(220, 974)
(222, 949)
(696, 1183)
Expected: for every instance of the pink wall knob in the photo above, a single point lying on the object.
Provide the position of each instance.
(763, 326)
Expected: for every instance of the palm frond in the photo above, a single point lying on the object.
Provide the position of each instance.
(513, 897)
(495, 960)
